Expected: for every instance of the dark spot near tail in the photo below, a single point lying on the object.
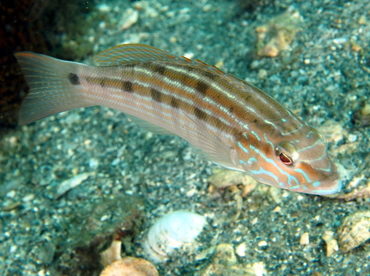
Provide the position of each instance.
(156, 95)
(175, 103)
(200, 114)
(201, 87)
(73, 79)
(160, 70)
(127, 87)
(231, 109)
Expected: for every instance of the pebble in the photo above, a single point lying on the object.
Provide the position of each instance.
(225, 263)
(224, 254)
(240, 250)
(28, 197)
(72, 118)
(352, 138)
(103, 7)
(331, 243)
(207, 8)
(278, 33)
(93, 163)
(71, 183)
(305, 239)
(262, 244)
(130, 17)
(111, 254)
(362, 20)
(262, 73)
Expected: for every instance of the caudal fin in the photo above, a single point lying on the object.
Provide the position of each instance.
(54, 86)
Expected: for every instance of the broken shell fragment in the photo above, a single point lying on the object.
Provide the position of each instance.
(331, 243)
(175, 230)
(130, 266)
(278, 33)
(111, 254)
(225, 262)
(354, 231)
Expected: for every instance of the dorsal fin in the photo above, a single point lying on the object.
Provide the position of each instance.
(133, 53)
(128, 53)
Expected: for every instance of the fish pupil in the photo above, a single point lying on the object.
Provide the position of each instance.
(285, 159)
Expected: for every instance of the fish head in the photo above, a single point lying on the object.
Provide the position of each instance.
(297, 162)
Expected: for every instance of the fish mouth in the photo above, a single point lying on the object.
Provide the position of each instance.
(334, 188)
(329, 185)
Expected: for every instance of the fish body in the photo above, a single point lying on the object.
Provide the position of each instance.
(233, 123)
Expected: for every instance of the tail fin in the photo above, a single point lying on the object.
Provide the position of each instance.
(54, 86)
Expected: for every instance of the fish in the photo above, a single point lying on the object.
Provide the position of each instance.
(229, 121)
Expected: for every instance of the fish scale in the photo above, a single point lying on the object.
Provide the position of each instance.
(233, 123)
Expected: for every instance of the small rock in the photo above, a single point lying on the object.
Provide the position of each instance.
(262, 244)
(130, 18)
(71, 183)
(352, 138)
(305, 239)
(332, 247)
(362, 20)
(111, 254)
(331, 243)
(222, 178)
(225, 255)
(103, 7)
(240, 250)
(278, 33)
(93, 163)
(207, 8)
(130, 266)
(225, 263)
(259, 269)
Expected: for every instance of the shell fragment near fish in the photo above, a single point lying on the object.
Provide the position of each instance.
(354, 231)
(173, 231)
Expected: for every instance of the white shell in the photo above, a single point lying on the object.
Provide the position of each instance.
(175, 230)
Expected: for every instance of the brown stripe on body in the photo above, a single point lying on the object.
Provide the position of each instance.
(184, 80)
(175, 103)
(178, 103)
(200, 85)
(127, 86)
(243, 93)
(156, 95)
(162, 77)
(197, 103)
(201, 115)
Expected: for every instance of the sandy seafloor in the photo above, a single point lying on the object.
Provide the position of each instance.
(323, 77)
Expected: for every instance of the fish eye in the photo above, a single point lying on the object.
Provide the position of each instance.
(285, 159)
(287, 153)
